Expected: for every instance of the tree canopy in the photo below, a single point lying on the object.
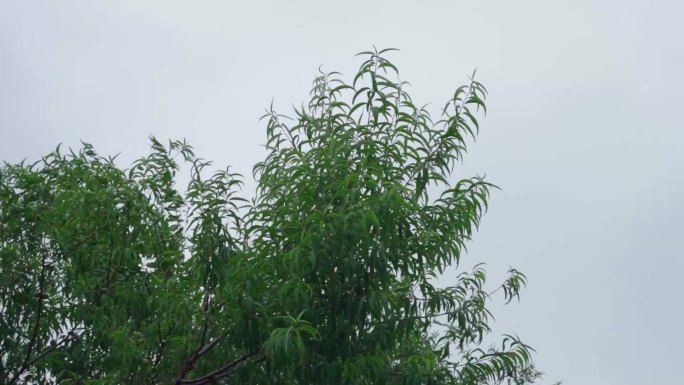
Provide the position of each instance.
(328, 275)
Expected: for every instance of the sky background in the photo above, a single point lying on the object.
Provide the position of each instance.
(583, 132)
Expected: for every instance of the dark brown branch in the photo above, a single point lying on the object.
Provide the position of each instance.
(221, 372)
(28, 361)
(162, 346)
(64, 339)
(203, 348)
(79, 244)
(192, 360)
(34, 336)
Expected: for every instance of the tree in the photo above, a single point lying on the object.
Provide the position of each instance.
(327, 276)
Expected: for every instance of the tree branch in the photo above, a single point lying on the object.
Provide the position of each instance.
(34, 336)
(64, 339)
(192, 360)
(221, 372)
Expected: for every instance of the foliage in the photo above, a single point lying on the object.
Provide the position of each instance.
(526, 376)
(326, 276)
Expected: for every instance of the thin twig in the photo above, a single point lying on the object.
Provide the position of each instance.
(34, 336)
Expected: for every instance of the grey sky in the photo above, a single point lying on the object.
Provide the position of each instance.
(583, 132)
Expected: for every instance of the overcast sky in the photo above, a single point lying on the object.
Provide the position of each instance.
(583, 132)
